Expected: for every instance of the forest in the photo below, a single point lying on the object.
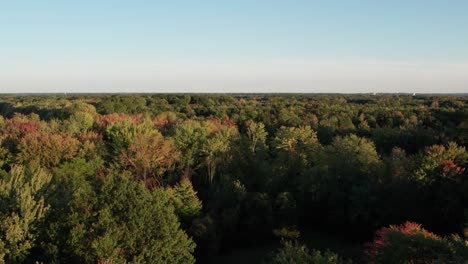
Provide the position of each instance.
(260, 178)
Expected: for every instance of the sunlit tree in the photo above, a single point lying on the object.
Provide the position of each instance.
(22, 208)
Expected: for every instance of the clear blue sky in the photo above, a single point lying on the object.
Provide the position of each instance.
(256, 45)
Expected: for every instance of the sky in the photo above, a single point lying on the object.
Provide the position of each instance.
(234, 46)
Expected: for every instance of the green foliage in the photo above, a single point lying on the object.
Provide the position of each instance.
(352, 156)
(296, 149)
(186, 203)
(216, 150)
(256, 134)
(296, 140)
(206, 143)
(190, 138)
(121, 135)
(440, 162)
(4, 155)
(342, 164)
(292, 252)
(22, 208)
(286, 233)
(121, 104)
(351, 169)
(80, 122)
(119, 220)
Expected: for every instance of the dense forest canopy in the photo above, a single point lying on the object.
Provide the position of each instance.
(185, 178)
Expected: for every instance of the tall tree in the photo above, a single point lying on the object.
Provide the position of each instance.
(190, 138)
(256, 134)
(150, 155)
(216, 150)
(22, 207)
(186, 203)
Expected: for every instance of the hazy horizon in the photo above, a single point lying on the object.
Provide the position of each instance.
(239, 47)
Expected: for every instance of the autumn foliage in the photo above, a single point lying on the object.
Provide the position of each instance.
(410, 243)
(144, 178)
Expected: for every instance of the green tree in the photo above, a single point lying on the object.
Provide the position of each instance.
(296, 151)
(186, 203)
(353, 170)
(81, 117)
(80, 122)
(22, 208)
(118, 220)
(292, 252)
(203, 143)
(120, 135)
(297, 147)
(256, 134)
(300, 140)
(190, 137)
(440, 171)
(216, 150)
(441, 162)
